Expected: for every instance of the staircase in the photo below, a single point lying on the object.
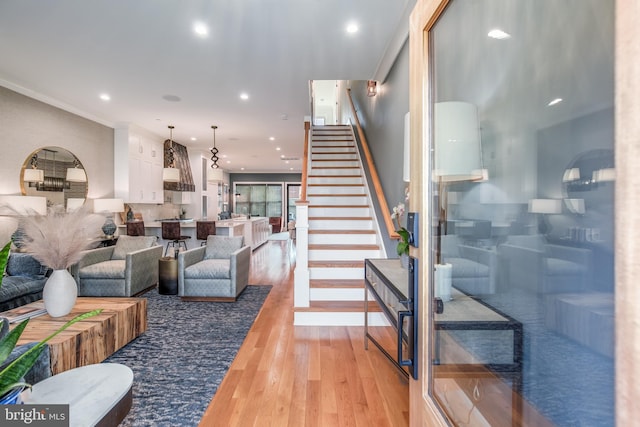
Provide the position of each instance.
(342, 231)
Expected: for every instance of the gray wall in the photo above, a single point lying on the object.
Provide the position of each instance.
(28, 124)
(382, 118)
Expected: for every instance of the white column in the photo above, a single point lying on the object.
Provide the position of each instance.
(301, 273)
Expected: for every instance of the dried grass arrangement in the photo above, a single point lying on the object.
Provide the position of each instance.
(58, 238)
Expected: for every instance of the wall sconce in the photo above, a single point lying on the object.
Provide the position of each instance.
(372, 88)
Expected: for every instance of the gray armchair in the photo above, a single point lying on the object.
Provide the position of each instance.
(218, 271)
(126, 269)
(529, 262)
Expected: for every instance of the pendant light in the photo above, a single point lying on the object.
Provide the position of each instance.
(76, 173)
(171, 173)
(34, 174)
(215, 173)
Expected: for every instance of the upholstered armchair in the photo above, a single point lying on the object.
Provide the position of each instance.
(126, 269)
(474, 269)
(218, 271)
(529, 262)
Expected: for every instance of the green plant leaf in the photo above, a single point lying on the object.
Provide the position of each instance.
(8, 342)
(12, 374)
(4, 257)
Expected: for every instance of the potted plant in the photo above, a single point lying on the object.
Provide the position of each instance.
(57, 240)
(11, 377)
(403, 245)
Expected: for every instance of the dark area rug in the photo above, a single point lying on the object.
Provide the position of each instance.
(180, 361)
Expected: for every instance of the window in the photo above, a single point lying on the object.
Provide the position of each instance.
(259, 199)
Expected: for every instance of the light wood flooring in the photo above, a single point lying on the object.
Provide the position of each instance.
(304, 376)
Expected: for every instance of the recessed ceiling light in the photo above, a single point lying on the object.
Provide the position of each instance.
(290, 169)
(244, 96)
(555, 101)
(286, 161)
(271, 138)
(282, 156)
(193, 138)
(241, 169)
(105, 97)
(497, 33)
(200, 29)
(228, 161)
(277, 148)
(352, 28)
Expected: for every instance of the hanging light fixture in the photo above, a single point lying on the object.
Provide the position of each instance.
(215, 173)
(76, 173)
(34, 174)
(171, 173)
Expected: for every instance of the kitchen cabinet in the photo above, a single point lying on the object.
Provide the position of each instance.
(139, 160)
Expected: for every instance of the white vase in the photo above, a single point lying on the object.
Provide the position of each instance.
(60, 293)
(442, 281)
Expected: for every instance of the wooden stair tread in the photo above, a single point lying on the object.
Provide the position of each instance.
(334, 160)
(336, 264)
(335, 185)
(344, 247)
(335, 146)
(342, 232)
(334, 176)
(338, 195)
(343, 306)
(338, 206)
(338, 283)
(341, 218)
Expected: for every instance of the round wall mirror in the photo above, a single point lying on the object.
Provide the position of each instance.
(57, 174)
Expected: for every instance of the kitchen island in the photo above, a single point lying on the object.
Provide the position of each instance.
(255, 229)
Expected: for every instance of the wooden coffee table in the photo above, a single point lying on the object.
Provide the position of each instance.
(92, 340)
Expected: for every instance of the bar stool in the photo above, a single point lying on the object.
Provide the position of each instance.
(205, 229)
(135, 228)
(171, 233)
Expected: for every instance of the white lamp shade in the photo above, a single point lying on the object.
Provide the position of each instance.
(457, 142)
(604, 175)
(545, 206)
(171, 175)
(76, 175)
(23, 205)
(108, 205)
(33, 175)
(74, 203)
(215, 175)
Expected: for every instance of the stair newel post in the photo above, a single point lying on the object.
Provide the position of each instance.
(301, 273)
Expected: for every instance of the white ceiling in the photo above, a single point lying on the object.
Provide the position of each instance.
(143, 52)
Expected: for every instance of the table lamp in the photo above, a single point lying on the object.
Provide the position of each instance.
(109, 206)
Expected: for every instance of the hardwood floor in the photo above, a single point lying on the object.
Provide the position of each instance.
(304, 376)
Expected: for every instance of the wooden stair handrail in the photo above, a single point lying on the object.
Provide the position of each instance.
(374, 173)
(305, 162)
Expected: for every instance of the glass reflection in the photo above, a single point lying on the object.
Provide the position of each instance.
(528, 242)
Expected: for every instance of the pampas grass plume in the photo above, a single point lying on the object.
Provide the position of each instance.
(58, 238)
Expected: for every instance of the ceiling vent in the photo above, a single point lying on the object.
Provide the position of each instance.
(289, 158)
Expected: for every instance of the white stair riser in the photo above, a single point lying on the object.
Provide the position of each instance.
(329, 143)
(336, 172)
(340, 156)
(319, 189)
(337, 201)
(335, 180)
(332, 149)
(327, 273)
(312, 318)
(343, 255)
(337, 211)
(324, 224)
(354, 239)
(333, 163)
(336, 294)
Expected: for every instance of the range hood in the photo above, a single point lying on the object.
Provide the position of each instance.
(181, 158)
